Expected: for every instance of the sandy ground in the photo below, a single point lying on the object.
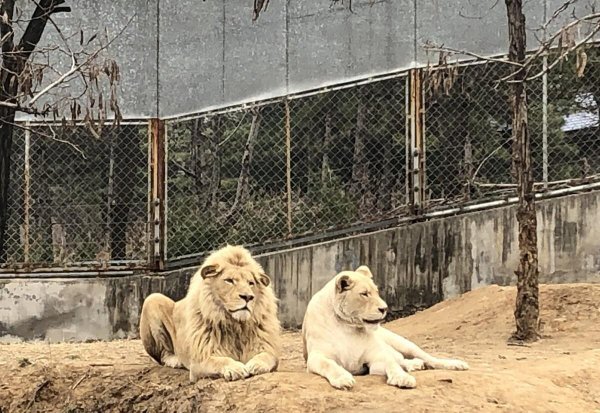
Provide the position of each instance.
(560, 373)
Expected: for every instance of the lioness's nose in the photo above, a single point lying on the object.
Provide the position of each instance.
(383, 310)
(247, 297)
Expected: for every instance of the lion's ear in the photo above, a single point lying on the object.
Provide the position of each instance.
(343, 283)
(209, 271)
(364, 270)
(264, 279)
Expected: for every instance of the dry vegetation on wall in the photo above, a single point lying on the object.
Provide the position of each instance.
(557, 374)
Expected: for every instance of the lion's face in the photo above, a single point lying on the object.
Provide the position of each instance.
(235, 289)
(357, 300)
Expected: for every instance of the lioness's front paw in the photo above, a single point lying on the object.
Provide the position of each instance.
(412, 364)
(235, 371)
(344, 381)
(402, 380)
(256, 367)
(451, 364)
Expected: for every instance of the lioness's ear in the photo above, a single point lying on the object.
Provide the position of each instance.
(209, 271)
(264, 279)
(364, 270)
(343, 283)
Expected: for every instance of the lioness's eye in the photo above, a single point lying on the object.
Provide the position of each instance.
(229, 281)
(251, 283)
(365, 294)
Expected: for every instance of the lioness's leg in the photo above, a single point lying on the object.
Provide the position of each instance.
(225, 367)
(407, 364)
(337, 376)
(383, 363)
(408, 348)
(263, 362)
(157, 329)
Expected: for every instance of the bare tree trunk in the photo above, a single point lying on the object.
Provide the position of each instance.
(325, 167)
(206, 162)
(7, 117)
(127, 152)
(468, 167)
(110, 194)
(13, 63)
(215, 181)
(360, 169)
(386, 181)
(243, 184)
(527, 304)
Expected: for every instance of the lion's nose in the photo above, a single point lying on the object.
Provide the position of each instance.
(247, 297)
(383, 310)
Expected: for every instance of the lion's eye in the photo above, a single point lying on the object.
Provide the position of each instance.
(251, 283)
(229, 281)
(365, 294)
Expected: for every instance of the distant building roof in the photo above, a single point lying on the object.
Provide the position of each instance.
(580, 120)
(587, 118)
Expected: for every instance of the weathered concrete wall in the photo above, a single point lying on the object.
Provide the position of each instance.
(186, 56)
(415, 266)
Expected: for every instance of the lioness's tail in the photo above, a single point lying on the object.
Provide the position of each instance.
(156, 326)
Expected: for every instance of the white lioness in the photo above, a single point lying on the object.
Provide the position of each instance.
(342, 336)
(226, 326)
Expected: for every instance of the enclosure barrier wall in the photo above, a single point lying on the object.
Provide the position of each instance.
(306, 167)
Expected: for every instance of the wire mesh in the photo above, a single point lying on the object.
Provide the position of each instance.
(228, 173)
(296, 167)
(468, 129)
(77, 198)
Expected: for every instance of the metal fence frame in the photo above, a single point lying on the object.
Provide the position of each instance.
(415, 185)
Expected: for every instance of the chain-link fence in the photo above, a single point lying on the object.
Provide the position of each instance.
(468, 135)
(305, 166)
(78, 198)
(252, 177)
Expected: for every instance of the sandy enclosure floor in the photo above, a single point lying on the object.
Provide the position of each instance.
(561, 373)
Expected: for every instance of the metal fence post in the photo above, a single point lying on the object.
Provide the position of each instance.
(157, 193)
(27, 194)
(416, 177)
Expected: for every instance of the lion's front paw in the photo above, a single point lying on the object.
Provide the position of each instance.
(344, 381)
(402, 380)
(451, 364)
(256, 367)
(172, 361)
(412, 364)
(235, 371)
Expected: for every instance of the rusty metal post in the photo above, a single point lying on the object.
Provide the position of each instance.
(157, 193)
(416, 176)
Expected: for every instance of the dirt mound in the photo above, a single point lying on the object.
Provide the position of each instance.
(558, 374)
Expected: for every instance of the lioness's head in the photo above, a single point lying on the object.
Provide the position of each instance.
(357, 300)
(235, 288)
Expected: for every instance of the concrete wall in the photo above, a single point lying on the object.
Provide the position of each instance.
(415, 266)
(185, 56)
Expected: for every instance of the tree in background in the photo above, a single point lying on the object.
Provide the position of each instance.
(30, 76)
(568, 83)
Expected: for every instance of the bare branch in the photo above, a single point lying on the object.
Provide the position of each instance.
(432, 48)
(564, 54)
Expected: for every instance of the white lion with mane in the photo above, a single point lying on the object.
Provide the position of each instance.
(342, 336)
(226, 326)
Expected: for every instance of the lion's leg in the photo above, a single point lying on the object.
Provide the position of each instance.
(263, 362)
(382, 362)
(157, 329)
(409, 349)
(225, 367)
(337, 376)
